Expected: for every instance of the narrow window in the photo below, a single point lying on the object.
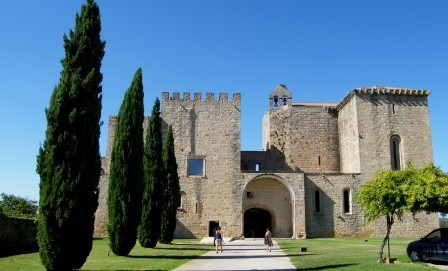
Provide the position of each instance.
(317, 201)
(257, 167)
(318, 160)
(180, 199)
(284, 100)
(347, 201)
(393, 108)
(395, 152)
(195, 167)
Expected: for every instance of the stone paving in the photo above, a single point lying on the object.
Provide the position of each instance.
(249, 254)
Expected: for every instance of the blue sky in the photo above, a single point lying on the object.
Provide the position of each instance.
(320, 49)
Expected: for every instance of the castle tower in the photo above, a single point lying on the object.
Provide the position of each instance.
(300, 136)
(207, 139)
(384, 128)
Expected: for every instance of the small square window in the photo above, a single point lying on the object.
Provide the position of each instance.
(250, 195)
(195, 167)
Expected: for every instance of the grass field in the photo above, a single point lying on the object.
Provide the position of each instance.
(322, 254)
(163, 257)
(348, 254)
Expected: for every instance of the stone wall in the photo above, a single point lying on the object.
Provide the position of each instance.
(410, 226)
(349, 138)
(331, 220)
(17, 235)
(381, 116)
(101, 214)
(207, 130)
(254, 160)
(304, 137)
(368, 118)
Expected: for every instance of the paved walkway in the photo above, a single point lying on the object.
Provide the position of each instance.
(246, 254)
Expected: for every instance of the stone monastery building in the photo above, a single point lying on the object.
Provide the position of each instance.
(315, 158)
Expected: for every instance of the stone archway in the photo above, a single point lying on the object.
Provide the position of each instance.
(256, 220)
(270, 198)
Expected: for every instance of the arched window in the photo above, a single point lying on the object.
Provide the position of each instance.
(257, 167)
(275, 101)
(395, 152)
(317, 201)
(284, 100)
(347, 197)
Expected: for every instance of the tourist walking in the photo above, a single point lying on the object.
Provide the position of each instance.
(219, 236)
(268, 240)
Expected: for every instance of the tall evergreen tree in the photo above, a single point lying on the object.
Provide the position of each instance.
(126, 171)
(171, 191)
(69, 160)
(149, 229)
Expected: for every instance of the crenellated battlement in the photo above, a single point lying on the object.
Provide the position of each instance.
(197, 96)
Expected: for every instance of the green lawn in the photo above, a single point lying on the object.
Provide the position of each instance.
(322, 254)
(163, 257)
(348, 254)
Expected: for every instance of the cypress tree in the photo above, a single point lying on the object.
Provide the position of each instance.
(69, 160)
(149, 229)
(171, 191)
(126, 171)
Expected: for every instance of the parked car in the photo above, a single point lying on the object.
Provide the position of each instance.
(432, 247)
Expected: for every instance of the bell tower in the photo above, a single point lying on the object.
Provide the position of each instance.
(280, 97)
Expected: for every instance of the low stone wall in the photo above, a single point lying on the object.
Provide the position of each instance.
(17, 235)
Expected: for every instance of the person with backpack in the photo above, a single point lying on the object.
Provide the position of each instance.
(268, 240)
(219, 236)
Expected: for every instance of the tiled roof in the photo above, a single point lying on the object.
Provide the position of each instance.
(382, 90)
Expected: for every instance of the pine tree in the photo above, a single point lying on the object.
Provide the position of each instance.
(69, 160)
(126, 171)
(149, 229)
(171, 191)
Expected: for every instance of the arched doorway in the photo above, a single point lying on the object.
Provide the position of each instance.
(267, 202)
(256, 221)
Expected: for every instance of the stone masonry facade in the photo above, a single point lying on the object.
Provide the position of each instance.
(302, 184)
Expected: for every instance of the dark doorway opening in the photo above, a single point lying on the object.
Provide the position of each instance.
(212, 225)
(256, 221)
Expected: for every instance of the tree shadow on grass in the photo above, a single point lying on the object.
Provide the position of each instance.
(206, 257)
(182, 248)
(126, 270)
(173, 257)
(301, 254)
(326, 267)
(190, 244)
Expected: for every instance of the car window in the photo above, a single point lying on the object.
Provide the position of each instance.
(444, 235)
(434, 236)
